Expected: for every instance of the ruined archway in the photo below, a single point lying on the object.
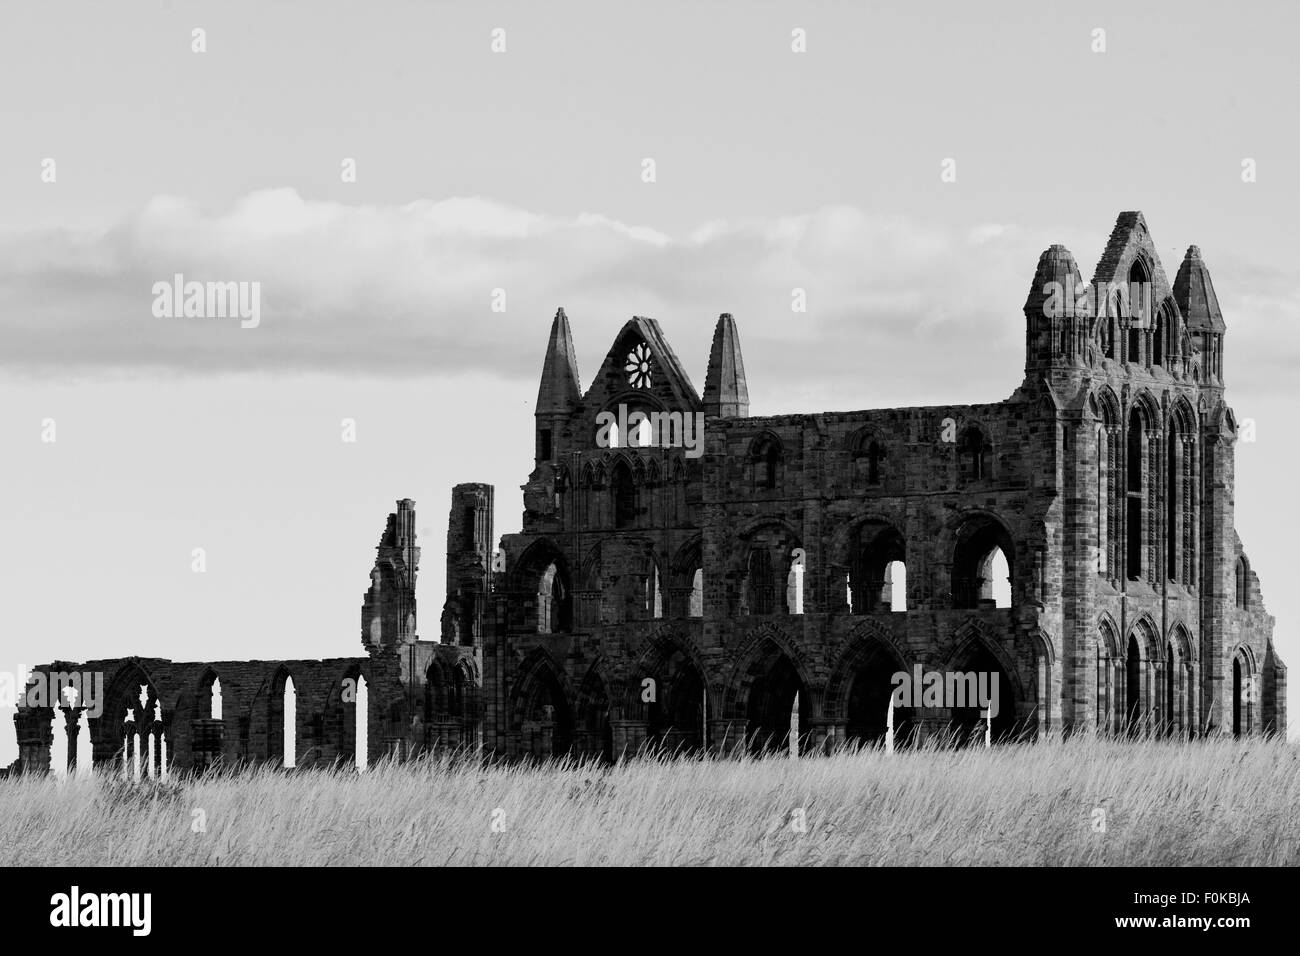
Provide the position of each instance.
(977, 668)
(862, 686)
(540, 709)
(668, 694)
(770, 692)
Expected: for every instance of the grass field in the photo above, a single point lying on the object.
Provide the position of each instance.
(1082, 802)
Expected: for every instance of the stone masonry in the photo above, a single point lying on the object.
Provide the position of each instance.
(1076, 540)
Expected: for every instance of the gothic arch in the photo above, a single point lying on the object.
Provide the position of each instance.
(864, 642)
(1108, 405)
(1243, 677)
(1142, 654)
(1109, 663)
(842, 537)
(1145, 630)
(1146, 406)
(966, 546)
(973, 634)
(974, 452)
(974, 645)
(686, 580)
(868, 451)
(674, 719)
(593, 713)
(766, 461)
(540, 684)
(280, 724)
(660, 645)
(759, 644)
(122, 693)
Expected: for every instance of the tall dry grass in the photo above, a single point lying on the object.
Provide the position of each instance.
(1165, 804)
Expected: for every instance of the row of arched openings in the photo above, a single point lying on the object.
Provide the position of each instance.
(772, 695)
(1155, 336)
(875, 579)
(1147, 496)
(766, 461)
(1146, 686)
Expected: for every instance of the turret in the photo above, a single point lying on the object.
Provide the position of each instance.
(1058, 314)
(1194, 294)
(559, 393)
(726, 394)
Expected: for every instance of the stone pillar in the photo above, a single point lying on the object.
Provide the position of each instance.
(727, 735)
(826, 734)
(628, 737)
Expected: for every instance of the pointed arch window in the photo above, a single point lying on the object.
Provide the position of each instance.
(766, 460)
(1136, 493)
(972, 453)
(624, 491)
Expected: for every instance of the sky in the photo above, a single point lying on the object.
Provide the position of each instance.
(518, 175)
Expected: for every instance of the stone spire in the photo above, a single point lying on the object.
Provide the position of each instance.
(1194, 293)
(1057, 284)
(559, 392)
(725, 392)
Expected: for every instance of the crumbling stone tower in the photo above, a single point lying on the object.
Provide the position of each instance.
(1076, 540)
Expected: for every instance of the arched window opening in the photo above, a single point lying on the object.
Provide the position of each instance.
(1244, 691)
(1158, 342)
(362, 724)
(654, 606)
(541, 714)
(1173, 499)
(290, 719)
(695, 603)
(1133, 688)
(1109, 489)
(769, 585)
(896, 585)
(776, 699)
(996, 584)
(1243, 583)
(761, 592)
(552, 602)
(214, 701)
(766, 462)
(1103, 563)
(968, 722)
(1136, 497)
(870, 695)
(624, 491)
(1105, 678)
(868, 458)
(972, 453)
(1139, 309)
(983, 565)
(1175, 700)
(794, 589)
(877, 576)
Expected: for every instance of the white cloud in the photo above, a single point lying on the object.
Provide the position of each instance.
(407, 291)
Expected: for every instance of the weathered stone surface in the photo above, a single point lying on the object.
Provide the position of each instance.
(655, 595)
